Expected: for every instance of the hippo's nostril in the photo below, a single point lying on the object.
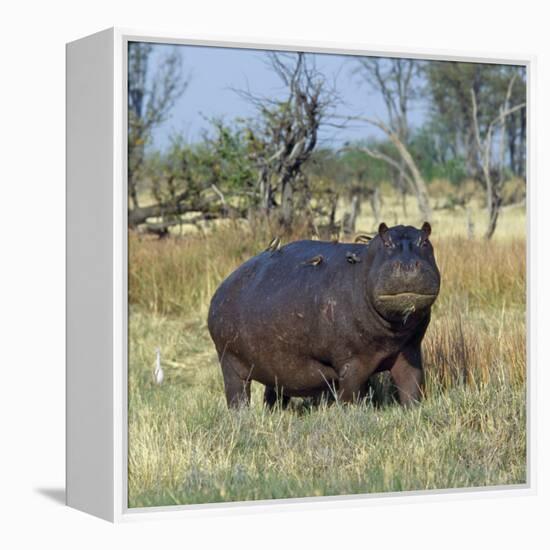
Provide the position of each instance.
(408, 266)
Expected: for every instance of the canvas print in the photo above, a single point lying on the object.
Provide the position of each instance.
(326, 274)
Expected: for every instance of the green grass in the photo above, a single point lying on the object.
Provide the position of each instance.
(186, 447)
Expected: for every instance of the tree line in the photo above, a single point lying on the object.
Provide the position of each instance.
(272, 164)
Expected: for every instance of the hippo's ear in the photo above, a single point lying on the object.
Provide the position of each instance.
(427, 228)
(382, 228)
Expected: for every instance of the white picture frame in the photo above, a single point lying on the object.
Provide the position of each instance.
(96, 145)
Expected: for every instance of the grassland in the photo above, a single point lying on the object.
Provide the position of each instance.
(186, 447)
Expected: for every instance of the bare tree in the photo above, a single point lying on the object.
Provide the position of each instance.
(151, 97)
(393, 79)
(493, 170)
(406, 165)
(287, 131)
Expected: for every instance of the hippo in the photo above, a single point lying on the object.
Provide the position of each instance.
(313, 317)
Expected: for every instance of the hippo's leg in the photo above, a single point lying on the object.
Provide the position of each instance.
(379, 391)
(407, 375)
(352, 376)
(236, 379)
(325, 397)
(272, 396)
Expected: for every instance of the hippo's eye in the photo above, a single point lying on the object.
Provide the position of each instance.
(424, 242)
(389, 244)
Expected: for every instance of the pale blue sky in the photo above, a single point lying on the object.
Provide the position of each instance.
(214, 71)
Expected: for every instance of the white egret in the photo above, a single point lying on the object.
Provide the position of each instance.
(158, 374)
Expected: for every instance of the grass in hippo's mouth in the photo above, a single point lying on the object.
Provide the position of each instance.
(405, 295)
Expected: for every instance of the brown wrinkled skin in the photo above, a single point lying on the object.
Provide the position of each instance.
(316, 317)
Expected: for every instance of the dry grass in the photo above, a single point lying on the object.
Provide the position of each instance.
(446, 222)
(178, 276)
(186, 447)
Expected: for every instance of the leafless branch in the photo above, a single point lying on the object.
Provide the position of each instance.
(386, 158)
(218, 192)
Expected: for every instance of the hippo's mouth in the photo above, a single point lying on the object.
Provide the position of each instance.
(406, 295)
(403, 304)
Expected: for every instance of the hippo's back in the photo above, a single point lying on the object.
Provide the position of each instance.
(272, 288)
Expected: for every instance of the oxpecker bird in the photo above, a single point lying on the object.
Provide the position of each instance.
(274, 245)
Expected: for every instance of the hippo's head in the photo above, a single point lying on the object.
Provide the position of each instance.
(404, 277)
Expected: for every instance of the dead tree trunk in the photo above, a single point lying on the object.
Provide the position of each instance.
(375, 204)
(350, 218)
(493, 184)
(287, 203)
(402, 187)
